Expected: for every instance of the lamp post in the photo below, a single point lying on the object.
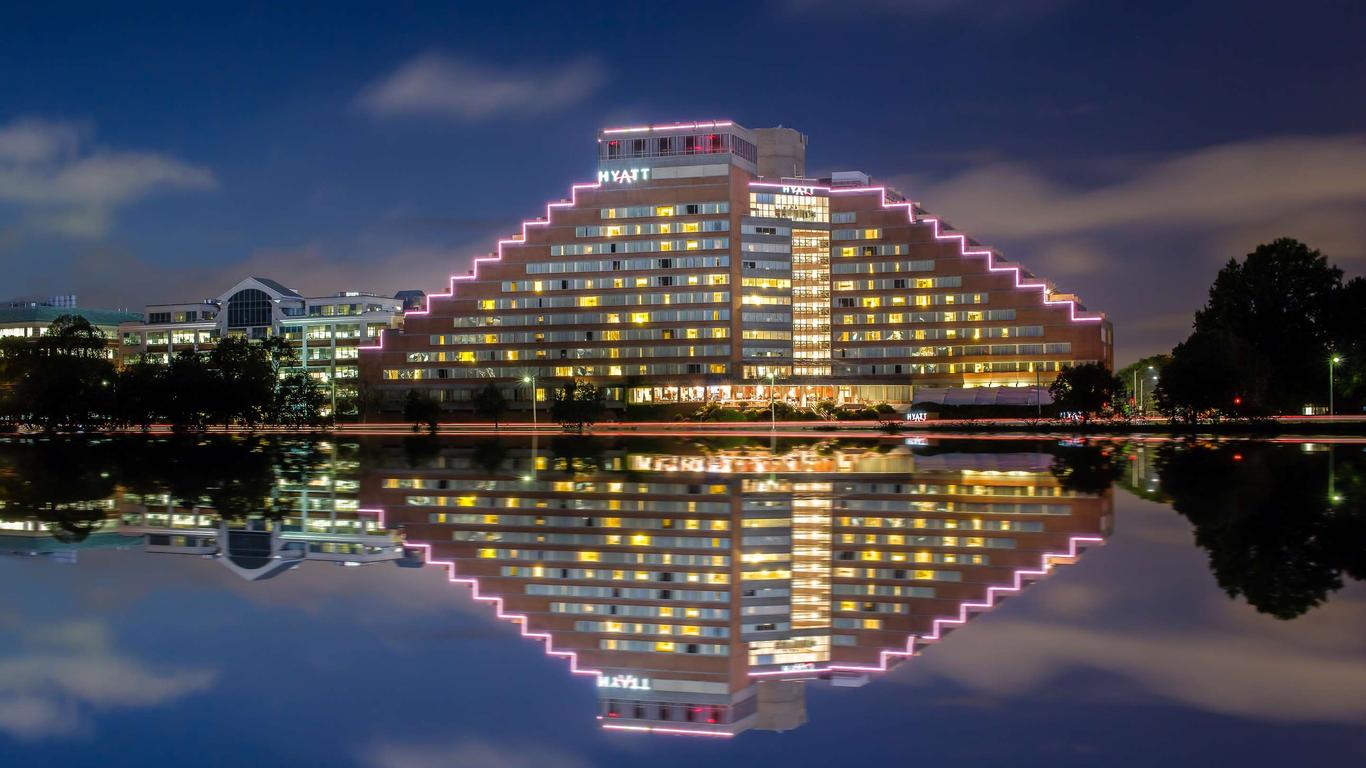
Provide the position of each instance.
(532, 381)
(1143, 409)
(1332, 363)
(772, 412)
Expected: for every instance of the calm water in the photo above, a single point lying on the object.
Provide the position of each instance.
(985, 602)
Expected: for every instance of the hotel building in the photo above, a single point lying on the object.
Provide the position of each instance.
(702, 264)
(327, 332)
(702, 589)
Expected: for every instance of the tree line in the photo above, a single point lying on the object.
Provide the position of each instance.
(1279, 331)
(64, 381)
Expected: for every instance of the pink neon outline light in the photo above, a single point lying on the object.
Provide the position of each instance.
(669, 127)
(1074, 545)
(517, 618)
(474, 274)
(961, 238)
(657, 729)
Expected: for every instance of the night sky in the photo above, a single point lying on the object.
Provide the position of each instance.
(1123, 150)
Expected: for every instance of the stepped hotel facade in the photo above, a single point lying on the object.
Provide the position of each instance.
(703, 265)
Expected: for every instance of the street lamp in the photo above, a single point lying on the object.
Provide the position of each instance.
(772, 412)
(1332, 362)
(532, 381)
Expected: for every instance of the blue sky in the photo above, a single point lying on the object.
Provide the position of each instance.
(160, 152)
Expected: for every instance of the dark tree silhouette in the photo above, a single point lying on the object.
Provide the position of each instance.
(1264, 513)
(1089, 389)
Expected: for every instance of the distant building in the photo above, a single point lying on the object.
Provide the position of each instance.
(412, 300)
(326, 331)
(63, 301)
(704, 265)
(29, 321)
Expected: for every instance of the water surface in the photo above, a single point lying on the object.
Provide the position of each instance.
(581, 602)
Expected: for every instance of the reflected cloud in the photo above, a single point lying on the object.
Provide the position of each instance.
(1223, 671)
(59, 673)
(469, 754)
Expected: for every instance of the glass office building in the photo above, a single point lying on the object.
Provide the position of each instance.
(326, 332)
(703, 265)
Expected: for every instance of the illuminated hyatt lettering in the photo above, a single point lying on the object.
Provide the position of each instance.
(624, 176)
(624, 682)
(799, 191)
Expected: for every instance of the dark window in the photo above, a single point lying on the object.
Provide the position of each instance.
(249, 307)
(159, 317)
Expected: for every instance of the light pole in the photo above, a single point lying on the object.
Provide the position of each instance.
(532, 381)
(772, 412)
(1332, 363)
(1143, 409)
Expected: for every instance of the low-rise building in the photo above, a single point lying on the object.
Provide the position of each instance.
(31, 319)
(325, 331)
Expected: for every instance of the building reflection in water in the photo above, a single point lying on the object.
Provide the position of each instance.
(704, 589)
(294, 517)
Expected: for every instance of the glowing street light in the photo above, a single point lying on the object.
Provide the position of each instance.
(1332, 363)
(772, 412)
(532, 381)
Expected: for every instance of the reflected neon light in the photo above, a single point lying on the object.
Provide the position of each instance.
(1074, 547)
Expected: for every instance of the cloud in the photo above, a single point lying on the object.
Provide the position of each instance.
(1215, 187)
(469, 754)
(63, 186)
(1171, 635)
(1143, 241)
(432, 84)
(61, 671)
(1223, 672)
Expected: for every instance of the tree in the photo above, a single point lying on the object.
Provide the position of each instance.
(1213, 375)
(1347, 326)
(245, 381)
(1280, 300)
(1138, 380)
(63, 380)
(140, 394)
(1088, 389)
(299, 402)
(421, 408)
(490, 403)
(577, 405)
(190, 392)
